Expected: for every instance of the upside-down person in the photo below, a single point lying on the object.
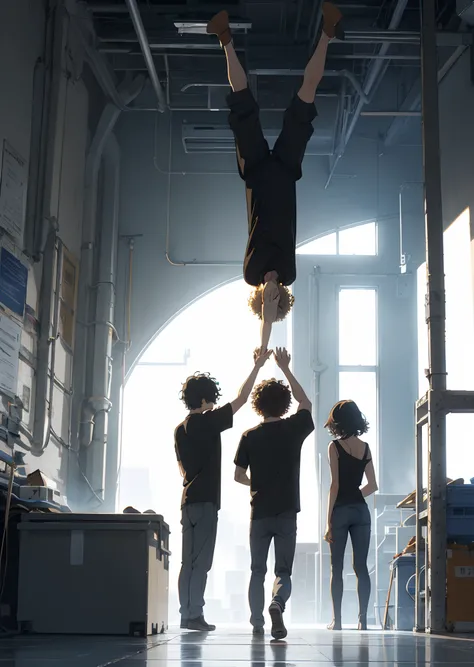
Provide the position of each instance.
(270, 175)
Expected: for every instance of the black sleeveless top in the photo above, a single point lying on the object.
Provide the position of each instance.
(351, 473)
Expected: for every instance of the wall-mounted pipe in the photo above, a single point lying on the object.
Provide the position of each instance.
(103, 131)
(145, 47)
(99, 402)
(376, 70)
(49, 332)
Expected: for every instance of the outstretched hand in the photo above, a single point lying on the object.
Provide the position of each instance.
(259, 357)
(282, 358)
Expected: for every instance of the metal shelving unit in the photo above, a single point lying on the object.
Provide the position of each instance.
(430, 409)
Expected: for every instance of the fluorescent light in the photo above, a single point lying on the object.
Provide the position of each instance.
(199, 27)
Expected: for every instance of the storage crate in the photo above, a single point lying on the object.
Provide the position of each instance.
(93, 574)
(460, 513)
(460, 589)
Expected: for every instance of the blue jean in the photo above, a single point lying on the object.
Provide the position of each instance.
(353, 520)
(199, 522)
(282, 530)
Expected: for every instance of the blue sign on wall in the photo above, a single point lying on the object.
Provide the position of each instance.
(13, 281)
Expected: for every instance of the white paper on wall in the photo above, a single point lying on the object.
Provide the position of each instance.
(13, 183)
(10, 340)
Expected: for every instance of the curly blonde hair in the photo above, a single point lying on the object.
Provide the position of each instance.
(284, 304)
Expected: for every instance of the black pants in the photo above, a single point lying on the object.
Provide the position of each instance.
(252, 147)
(353, 520)
(282, 530)
(199, 522)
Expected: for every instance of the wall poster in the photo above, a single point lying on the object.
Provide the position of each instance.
(10, 340)
(13, 184)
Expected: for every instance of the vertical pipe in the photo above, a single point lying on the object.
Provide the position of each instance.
(145, 47)
(419, 620)
(435, 317)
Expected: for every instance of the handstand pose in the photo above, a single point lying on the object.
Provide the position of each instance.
(270, 176)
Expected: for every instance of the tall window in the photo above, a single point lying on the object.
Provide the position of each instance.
(459, 337)
(358, 359)
(355, 240)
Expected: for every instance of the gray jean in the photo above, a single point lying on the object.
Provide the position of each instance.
(282, 530)
(199, 524)
(353, 520)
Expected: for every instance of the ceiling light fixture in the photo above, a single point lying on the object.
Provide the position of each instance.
(199, 27)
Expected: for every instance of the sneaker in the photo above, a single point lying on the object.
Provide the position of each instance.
(278, 627)
(200, 625)
(258, 631)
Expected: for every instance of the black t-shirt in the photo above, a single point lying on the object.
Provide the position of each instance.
(272, 451)
(271, 210)
(198, 449)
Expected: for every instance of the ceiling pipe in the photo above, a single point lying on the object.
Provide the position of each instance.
(414, 105)
(145, 47)
(327, 72)
(376, 70)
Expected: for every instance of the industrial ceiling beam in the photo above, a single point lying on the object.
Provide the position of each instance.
(413, 100)
(145, 47)
(375, 72)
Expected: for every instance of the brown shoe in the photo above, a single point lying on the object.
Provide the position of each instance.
(331, 20)
(219, 25)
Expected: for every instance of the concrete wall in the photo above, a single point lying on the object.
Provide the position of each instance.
(22, 25)
(456, 100)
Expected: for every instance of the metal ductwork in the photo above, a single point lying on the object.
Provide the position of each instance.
(218, 139)
(465, 11)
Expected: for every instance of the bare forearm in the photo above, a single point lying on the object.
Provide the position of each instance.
(244, 479)
(247, 387)
(331, 501)
(297, 390)
(368, 490)
(265, 333)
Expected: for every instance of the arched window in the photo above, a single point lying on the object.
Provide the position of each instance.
(217, 333)
(356, 240)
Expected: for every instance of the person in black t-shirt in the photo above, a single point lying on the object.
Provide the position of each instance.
(270, 175)
(272, 452)
(198, 450)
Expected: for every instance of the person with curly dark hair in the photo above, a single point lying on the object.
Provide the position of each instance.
(270, 175)
(198, 450)
(272, 452)
(349, 459)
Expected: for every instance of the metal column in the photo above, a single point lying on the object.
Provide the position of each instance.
(435, 318)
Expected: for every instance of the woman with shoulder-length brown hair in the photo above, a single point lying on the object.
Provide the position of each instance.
(349, 459)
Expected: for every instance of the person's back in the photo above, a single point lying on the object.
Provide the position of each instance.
(272, 452)
(348, 514)
(353, 457)
(274, 456)
(197, 442)
(198, 448)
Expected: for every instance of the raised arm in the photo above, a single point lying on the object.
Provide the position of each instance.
(246, 388)
(283, 359)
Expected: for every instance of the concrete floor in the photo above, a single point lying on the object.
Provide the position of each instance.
(237, 649)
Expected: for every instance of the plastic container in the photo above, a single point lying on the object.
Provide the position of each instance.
(460, 513)
(404, 583)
